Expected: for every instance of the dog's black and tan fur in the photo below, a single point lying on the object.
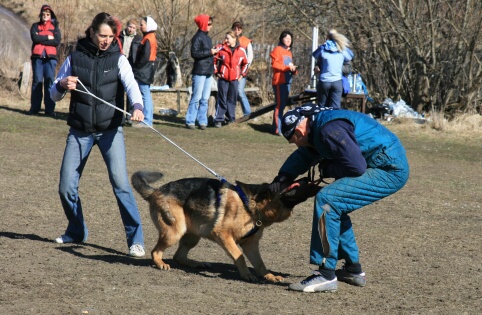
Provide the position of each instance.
(189, 209)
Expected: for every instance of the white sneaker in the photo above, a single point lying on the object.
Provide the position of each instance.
(136, 250)
(315, 283)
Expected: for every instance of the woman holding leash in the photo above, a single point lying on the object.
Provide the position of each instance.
(98, 63)
(368, 163)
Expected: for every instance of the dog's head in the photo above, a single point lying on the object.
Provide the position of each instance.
(277, 207)
(299, 191)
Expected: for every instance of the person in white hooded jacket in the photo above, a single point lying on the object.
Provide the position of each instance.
(144, 66)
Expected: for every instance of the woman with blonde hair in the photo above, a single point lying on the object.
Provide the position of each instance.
(230, 66)
(331, 56)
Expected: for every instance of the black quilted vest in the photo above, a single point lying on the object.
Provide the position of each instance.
(98, 71)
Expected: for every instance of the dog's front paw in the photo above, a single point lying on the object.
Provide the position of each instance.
(272, 278)
(163, 266)
(250, 278)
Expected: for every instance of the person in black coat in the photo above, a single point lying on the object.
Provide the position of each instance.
(202, 51)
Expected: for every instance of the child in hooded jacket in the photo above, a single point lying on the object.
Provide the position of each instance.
(230, 66)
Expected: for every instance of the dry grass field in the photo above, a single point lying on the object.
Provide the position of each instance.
(420, 247)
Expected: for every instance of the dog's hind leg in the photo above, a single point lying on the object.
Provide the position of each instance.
(187, 242)
(163, 243)
(251, 250)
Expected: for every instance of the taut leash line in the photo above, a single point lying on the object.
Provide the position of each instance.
(222, 179)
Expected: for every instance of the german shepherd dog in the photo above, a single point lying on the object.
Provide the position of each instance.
(189, 209)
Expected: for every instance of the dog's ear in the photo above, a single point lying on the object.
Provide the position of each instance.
(262, 193)
(257, 192)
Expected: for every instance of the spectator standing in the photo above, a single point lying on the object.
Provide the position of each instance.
(331, 56)
(130, 42)
(230, 66)
(202, 51)
(101, 67)
(246, 43)
(144, 66)
(46, 38)
(368, 163)
(283, 70)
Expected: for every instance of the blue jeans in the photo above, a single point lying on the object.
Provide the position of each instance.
(147, 99)
(332, 236)
(43, 78)
(329, 93)
(243, 99)
(77, 149)
(198, 106)
(281, 94)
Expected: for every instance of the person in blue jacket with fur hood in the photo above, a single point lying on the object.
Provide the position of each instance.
(368, 163)
(330, 58)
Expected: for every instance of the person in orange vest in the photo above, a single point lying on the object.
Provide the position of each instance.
(246, 43)
(46, 37)
(130, 41)
(145, 65)
(283, 71)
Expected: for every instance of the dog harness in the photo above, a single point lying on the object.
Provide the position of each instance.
(245, 201)
(258, 223)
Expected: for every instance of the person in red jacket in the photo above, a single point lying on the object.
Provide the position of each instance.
(46, 37)
(283, 70)
(230, 66)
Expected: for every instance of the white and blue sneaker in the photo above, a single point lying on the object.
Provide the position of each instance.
(315, 283)
(136, 250)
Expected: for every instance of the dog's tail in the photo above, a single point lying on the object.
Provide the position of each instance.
(141, 180)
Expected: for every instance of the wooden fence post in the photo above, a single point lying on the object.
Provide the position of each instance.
(26, 74)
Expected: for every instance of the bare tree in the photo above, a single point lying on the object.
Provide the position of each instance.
(425, 52)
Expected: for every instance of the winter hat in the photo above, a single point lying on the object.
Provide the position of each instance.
(202, 21)
(46, 7)
(294, 117)
(151, 25)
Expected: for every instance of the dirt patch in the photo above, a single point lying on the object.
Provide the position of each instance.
(420, 248)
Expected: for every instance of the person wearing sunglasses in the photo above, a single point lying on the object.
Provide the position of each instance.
(202, 51)
(46, 37)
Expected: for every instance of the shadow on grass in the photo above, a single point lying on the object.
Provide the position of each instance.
(159, 120)
(112, 256)
(58, 115)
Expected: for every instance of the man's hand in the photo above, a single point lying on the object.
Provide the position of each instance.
(279, 183)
